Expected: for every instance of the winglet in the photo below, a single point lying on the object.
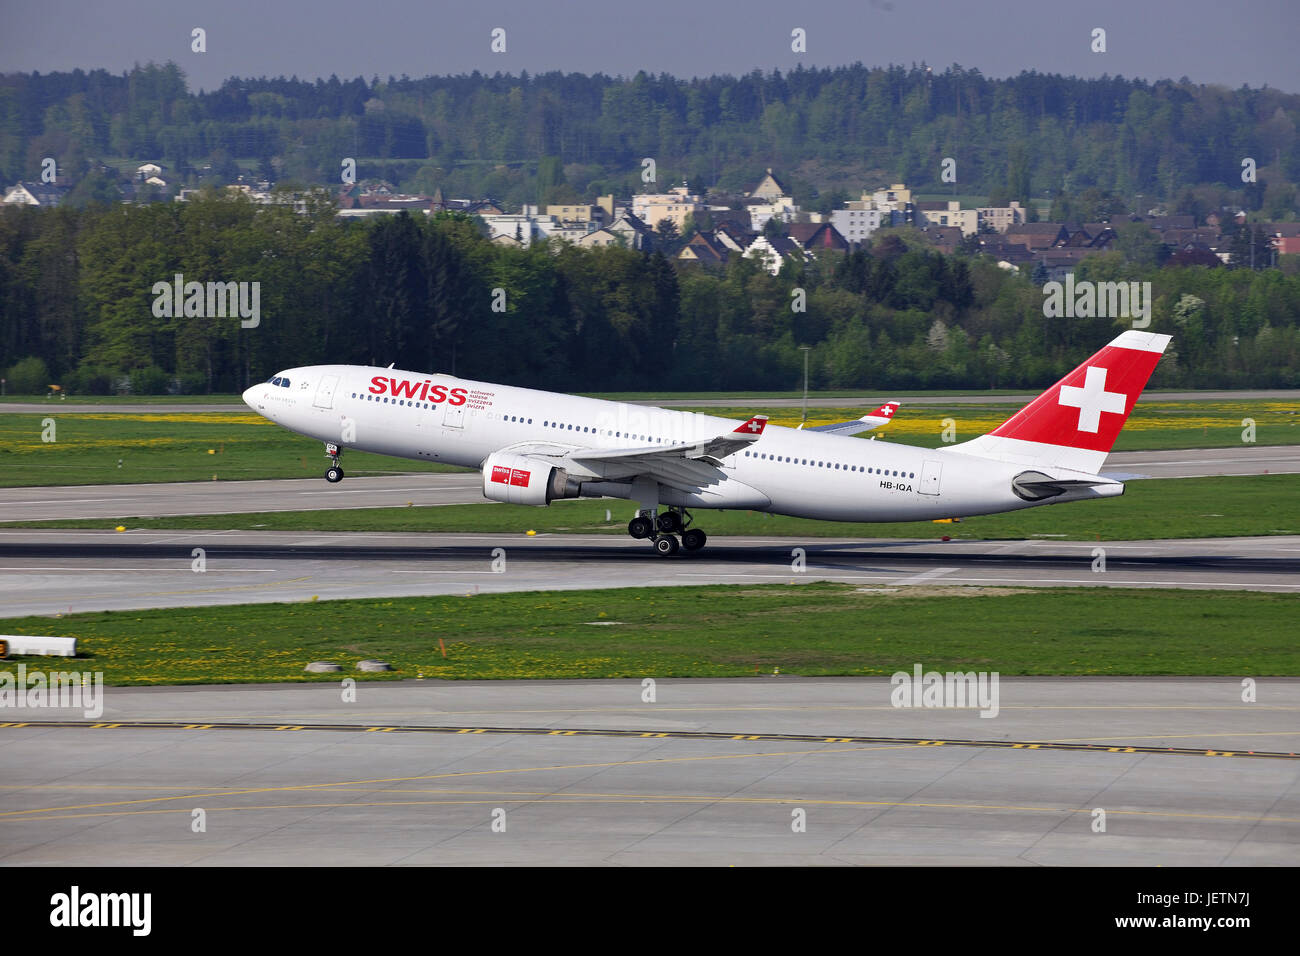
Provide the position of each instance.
(753, 427)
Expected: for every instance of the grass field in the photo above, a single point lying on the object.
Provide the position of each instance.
(809, 629)
(1156, 508)
(125, 448)
(129, 447)
(1154, 425)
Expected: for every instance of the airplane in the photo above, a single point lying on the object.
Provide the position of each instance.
(534, 447)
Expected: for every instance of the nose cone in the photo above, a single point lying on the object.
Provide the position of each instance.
(250, 398)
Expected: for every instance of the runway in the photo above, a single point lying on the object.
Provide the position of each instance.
(306, 494)
(49, 572)
(709, 773)
(237, 497)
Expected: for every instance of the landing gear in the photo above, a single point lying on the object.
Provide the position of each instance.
(666, 545)
(669, 522)
(640, 527)
(662, 528)
(334, 473)
(694, 539)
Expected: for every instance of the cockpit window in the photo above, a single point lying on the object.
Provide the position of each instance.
(284, 383)
(275, 380)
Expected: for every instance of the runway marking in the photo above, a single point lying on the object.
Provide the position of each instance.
(222, 570)
(1070, 745)
(30, 812)
(758, 708)
(534, 797)
(925, 576)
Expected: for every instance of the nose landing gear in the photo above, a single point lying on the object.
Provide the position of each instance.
(334, 473)
(662, 527)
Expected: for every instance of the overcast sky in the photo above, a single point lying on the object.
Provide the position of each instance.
(1227, 42)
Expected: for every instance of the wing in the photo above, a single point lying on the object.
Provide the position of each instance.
(881, 416)
(687, 467)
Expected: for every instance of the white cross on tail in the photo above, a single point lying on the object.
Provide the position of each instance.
(1092, 399)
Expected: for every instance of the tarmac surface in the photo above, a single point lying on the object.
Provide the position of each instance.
(1138, 772)
(308, 494)
(62, 572)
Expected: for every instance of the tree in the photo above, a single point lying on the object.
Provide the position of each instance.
(669, 238)
(28, 377)
(1139, 244)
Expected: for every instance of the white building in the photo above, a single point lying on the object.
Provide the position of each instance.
(1002, 218)
(782, 209)
(35, 194)
(857, 222)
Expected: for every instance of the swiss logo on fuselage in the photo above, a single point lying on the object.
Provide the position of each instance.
(424, 391)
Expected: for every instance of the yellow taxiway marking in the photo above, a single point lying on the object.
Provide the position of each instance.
(32, 812)
(533, 797)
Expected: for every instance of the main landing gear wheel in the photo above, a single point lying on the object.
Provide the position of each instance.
(666, 545)
(334, 474)
(694, 539)
(669, 522)
(640, 527)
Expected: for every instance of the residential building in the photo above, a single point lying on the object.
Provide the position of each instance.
(856, 222)
(769, 187)
(601, 237)
(946, 239)
(782, 209)
(949, 213)
(774, 252)
(733, 234)
(706, 249)
(576, 212)
(35, 194)
(817, 236)
(1001, 218)
(1036, 236)
(677, 205)
(635, 232)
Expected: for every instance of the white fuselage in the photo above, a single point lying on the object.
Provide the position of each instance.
(787, 471)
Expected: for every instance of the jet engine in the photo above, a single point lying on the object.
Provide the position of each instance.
(525, 480)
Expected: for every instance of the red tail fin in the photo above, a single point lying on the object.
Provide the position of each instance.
(1075, 423)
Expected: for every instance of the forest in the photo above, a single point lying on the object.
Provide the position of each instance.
(559, 137)
(433, 294)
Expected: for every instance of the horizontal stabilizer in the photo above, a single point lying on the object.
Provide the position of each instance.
(881, 416)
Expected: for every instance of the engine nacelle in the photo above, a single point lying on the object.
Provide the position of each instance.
(525, 480)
